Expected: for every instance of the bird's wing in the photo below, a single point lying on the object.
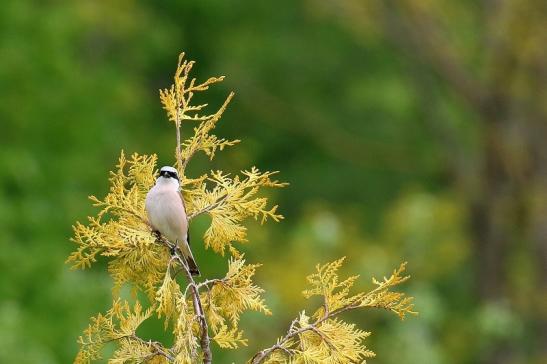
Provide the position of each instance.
(186, 216)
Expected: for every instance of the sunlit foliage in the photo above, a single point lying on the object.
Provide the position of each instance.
(118, 324)
(225, 299)
(324, 337)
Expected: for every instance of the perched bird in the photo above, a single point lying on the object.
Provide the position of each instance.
(167, 214)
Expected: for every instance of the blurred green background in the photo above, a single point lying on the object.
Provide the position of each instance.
(411, 130)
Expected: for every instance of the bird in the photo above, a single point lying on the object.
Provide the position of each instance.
(167, 214)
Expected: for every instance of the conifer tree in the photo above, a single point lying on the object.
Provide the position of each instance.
(199, 313)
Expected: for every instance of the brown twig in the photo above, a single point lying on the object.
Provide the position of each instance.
(196, 301)
(156, 345)
(158, 348)
(198, 309)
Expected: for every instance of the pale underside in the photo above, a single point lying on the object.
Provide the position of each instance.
(166, 214)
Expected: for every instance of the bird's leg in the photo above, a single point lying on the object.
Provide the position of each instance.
(159, 238)
(157, 234)
(173, 249)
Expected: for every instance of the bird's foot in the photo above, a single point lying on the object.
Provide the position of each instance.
(157, 234)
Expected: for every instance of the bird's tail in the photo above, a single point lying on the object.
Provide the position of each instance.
(192, 266)
(186, 252)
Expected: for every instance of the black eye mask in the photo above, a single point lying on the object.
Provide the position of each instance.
(169, 174)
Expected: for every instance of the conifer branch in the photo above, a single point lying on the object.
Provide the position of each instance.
(179, 99)
(158, 349)
(202, 135)
(210, 207)
(292, 333)
(183, 103)
(196, 300)
(209, 282)
(327, 327)
(198, 308)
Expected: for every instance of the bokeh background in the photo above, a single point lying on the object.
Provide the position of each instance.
(409, 130)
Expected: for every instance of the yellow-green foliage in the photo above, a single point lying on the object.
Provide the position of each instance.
(325, 338)
(120, 230)
(227, 298)
(194, 312)
(118, 324)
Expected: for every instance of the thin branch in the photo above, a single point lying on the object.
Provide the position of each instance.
(210, 281)
(120, 208)
(159, 349)
(209, 208)
(179, 100)
(198, 307)
(324, 337)
(263, 354)
(156, 345)
(213, 118)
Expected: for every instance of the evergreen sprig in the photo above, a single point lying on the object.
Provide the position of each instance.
(324, 337)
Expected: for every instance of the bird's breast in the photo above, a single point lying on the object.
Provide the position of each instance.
(166, 214)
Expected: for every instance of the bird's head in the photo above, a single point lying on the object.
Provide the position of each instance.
(168, 175)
